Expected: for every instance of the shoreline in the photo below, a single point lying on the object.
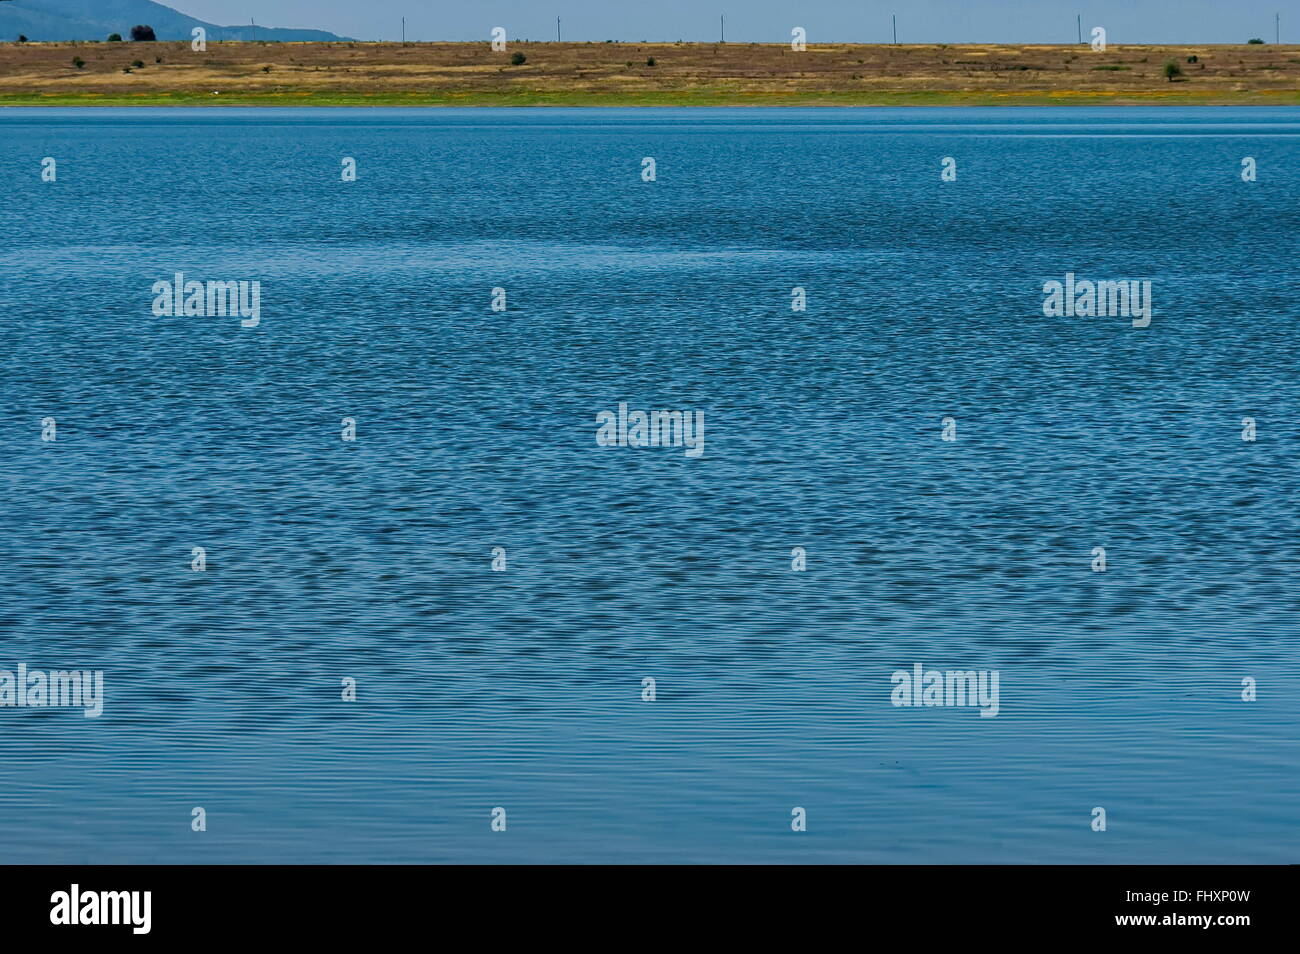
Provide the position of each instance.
(361, 101)
(643, 74)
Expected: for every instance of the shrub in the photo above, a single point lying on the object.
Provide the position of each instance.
(1193, 59)
(138, 64)
(649, 61)
(1253, 40)
(518, 59)
(115, 38)
(266, 69)
(142, 34)
(1172, 69)
(126, 69)
(78, 62)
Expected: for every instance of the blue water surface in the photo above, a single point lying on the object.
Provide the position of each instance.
(476, 429)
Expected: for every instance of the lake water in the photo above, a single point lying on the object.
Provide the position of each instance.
(522, 689)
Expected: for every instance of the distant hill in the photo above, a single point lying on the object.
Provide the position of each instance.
(96, 19)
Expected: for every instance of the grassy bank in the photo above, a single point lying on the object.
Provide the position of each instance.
(640, 74)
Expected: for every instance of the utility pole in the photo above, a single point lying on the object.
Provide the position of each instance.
(1277, 28)
(403, 31)
(557, 29)
(250, 20)
(895, 17)
(1078, 24)
(723, 20)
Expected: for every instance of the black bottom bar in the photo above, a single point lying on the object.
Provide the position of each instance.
(338, 904)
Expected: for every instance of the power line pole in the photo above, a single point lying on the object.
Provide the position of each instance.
(403, 31)
(252, 21)
(1078, 24)
(895, 18)
(1277, 28)
(723, 20)
(557, 29)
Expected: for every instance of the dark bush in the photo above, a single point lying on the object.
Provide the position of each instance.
(78, 62)
(142, 34)
(1172, 69)
(518, 60)
(1254, 40)
(649, 61)
(115, 38)
(138, 64)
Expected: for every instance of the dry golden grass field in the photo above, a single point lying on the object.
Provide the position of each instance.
(614, 74)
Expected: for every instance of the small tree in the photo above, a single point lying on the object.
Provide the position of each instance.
(649, 61)
(518, 59)
(1172, 69)
(115, 38)
(142, 34)
(1254, 40)
(78, 62)
(21, 38)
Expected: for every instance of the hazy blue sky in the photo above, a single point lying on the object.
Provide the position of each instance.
(866, 21)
